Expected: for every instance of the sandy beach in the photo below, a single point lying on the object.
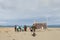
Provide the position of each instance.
(10, 34)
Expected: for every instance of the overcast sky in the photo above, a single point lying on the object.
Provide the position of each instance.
(26, 11)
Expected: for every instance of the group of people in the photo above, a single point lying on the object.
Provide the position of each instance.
(19, 29)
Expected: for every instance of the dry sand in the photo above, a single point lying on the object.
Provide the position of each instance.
(49, 34)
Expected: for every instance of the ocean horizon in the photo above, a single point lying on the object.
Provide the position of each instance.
(49, 26)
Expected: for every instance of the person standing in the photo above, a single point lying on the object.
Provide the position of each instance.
(33, 28)
(25, 28)
(15, 28)
(20, 28)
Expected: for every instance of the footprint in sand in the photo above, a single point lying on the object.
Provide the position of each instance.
(6, 31)
(13, 39)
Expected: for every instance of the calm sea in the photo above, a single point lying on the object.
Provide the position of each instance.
(53, 26)
(49, 26)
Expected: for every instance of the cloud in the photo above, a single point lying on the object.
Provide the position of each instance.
(29, 9)
(3, 23)
(16, 9)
